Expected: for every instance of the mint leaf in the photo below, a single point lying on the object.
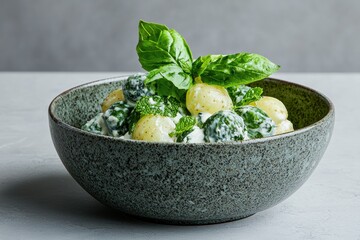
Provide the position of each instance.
(243, 95)
(186, 123)
(157, 105)
(159, 46)
(234, 69)
(170, 80)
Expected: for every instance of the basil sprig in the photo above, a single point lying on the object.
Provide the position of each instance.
(166, 55)
(170, 80)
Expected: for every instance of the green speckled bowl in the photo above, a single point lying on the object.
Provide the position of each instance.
(191, 183)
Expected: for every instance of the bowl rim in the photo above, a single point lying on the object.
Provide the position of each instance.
(61, 123)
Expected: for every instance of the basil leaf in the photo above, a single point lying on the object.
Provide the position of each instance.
(186, 123)
(252, 95)
(159, 46)
(170, 80)
(150, 31)
(243, 95)
(234, 69)
(156, 105)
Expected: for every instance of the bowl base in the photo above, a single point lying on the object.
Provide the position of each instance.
(193, 222)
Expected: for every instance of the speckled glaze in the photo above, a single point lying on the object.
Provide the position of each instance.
(181, 183)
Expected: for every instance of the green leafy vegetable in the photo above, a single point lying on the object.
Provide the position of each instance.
(159, 46)
(243, 95)
(133, 118)
(157, 105)
(166, 55)
(257, 122)
(185, 124)
(170, 80)
(233, 70)
(224, 126)
(96, 125)
(134, 88)
(115, 118)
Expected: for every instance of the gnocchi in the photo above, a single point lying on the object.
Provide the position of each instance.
(284, 127)
(113, 97)
(273, 107)
(207, 98)
(154, 128)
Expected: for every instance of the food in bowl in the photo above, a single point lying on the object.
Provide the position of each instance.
(228, 177)
(192, 183)
(181, 100)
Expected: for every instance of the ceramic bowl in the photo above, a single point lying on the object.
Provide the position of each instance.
(197, 183)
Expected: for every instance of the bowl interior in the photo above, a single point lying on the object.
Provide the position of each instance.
(78, 105)
(305, 106)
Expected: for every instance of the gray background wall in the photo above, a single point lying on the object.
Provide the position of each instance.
(101, 35)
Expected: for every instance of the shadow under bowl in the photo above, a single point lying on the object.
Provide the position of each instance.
(196, 183)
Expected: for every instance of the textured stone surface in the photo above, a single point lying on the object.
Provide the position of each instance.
(191, 183)
(39, 200)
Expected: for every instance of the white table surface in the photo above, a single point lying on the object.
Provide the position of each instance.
(39, 199)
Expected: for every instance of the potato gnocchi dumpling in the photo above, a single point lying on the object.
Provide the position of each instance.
(154, 128)
(113, 97)
(207, 98)
(284, 127)
(273, 107)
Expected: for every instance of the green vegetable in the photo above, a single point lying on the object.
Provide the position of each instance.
(165, 53)
(233, 70)
(134, 88)
(201, 120)
(257, 122)
(159, 46)
(243, 95)
(96, 125)
(115, 118)
(185, 124)
(133, 118)
(170, 80)
(157, 105)
(224, 126)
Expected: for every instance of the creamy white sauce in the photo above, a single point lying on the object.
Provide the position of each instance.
(115, 133)
(126, 136)
(196, 136)
(112, 121)
(96, 123)
(204, 116)
(151, 101)
(162, 107)
(176, 119)
(101, 123)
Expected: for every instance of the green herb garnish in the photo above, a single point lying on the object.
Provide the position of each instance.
(185, 124)
(234, 69)
(165, 53)
(243, 95)
(157, 105)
